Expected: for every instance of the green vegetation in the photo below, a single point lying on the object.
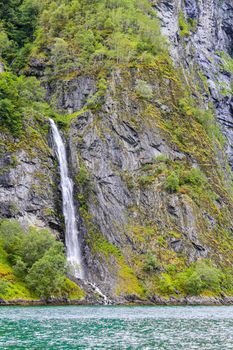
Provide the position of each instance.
(76, 34)
(151, 264)
(167, 273)
(33, 264)
(118, 44)
(201, 277)
(49, 271)
(180, 177)
(205, 117)
(186, 25)
(67, 38)
(172, 182)
(83, 177)
(81, 34)
(21, 98)
(111, 256)
(17, 24)
(227, 61)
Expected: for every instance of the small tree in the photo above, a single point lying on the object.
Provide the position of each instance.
(46, 277)
(151, 264)
(172, 182)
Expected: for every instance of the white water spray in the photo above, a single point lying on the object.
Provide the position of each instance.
(98, 291)
(71, 232)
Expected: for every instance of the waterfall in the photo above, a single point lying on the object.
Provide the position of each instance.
(73, 251)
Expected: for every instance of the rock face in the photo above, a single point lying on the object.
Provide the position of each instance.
(27, 190)
(201, 50)
(115, 149)
(131, 214)
(150, 193)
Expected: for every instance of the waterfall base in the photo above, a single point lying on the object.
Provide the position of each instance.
(96, 289)
(92, 291)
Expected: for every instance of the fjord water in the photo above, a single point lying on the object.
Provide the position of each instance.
(71, 235)
(115, 328)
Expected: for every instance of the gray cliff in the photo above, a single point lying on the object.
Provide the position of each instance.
(120, 155)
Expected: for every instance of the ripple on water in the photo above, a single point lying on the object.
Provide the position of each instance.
(76, 327)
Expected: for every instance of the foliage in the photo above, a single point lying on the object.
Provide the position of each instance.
(37, 258)
(184, 27)
(151, 264)
(83, 177)
(204, 116)
(81, 35)
(72, 290)
(201, 276)
(196, 279)
(194, 177)
(4, 42)
(227, 61)
(46, 276)
(17, 24)
(19, 96)
(192, 23)
(145, 180)
(28, 247)
(172, 182)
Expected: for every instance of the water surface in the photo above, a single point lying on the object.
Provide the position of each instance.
(115, 328)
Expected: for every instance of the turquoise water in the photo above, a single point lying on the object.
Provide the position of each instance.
(84, 327)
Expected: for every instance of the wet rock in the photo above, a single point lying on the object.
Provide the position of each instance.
(27, 189)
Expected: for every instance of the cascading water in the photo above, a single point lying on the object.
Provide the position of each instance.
(73, 250)
(71, 233)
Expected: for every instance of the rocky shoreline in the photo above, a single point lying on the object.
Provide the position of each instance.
(155, 301)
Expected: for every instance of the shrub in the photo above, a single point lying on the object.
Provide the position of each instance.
(210, 275)
(37, 258)
(195, 177)
(190, 282)
(24, 248)
(162, 158)
(199, 277)
(184, 27)
(166, 284)
(143, 89)
(83, 176)
(172, 182)
(4, 42)
(151, 264)
(20, 268)
(227, 61)
(10, 235)
(46, 277)
(34, 245)
(146, 180)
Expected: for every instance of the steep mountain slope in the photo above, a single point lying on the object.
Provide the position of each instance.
(147, 121)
